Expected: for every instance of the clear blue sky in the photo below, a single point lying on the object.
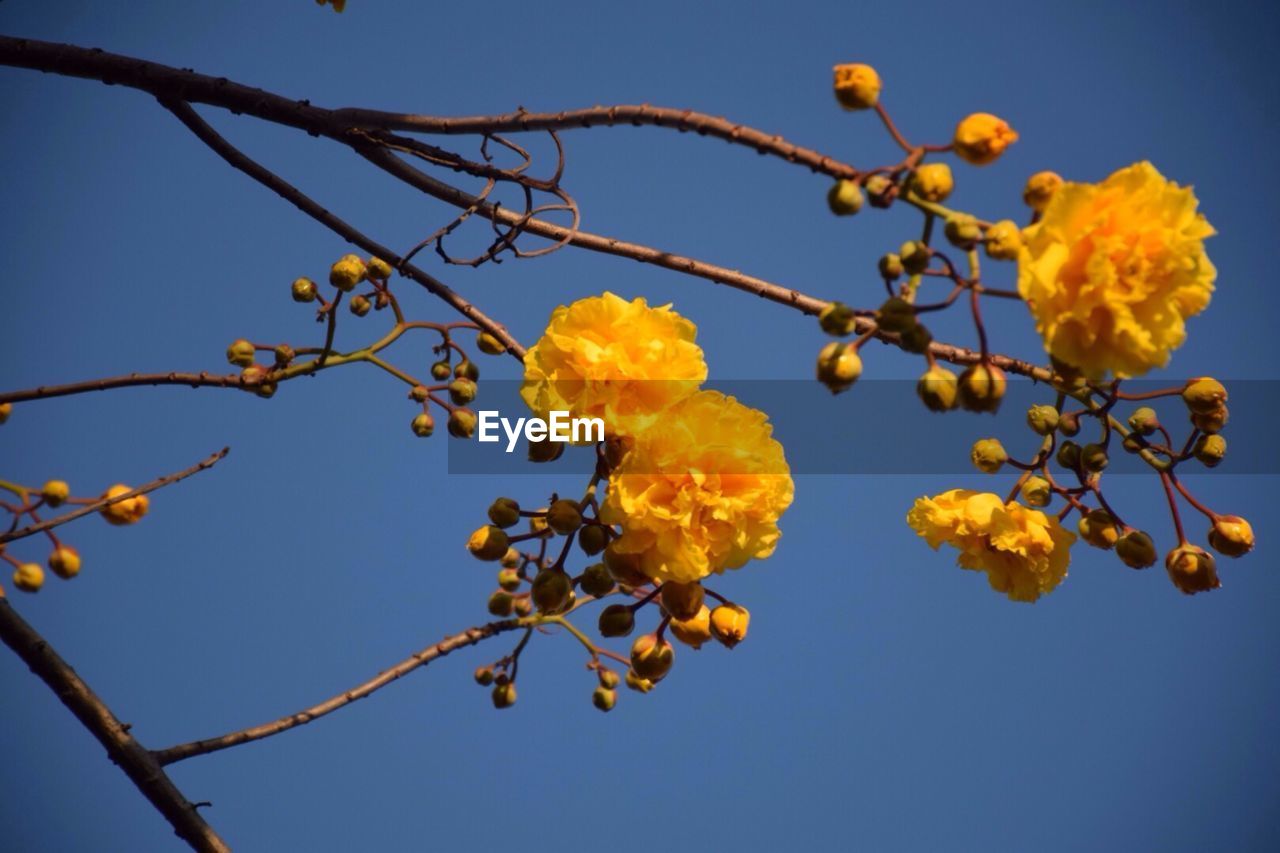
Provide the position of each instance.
(885, 699)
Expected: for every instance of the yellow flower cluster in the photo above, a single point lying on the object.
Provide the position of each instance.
(1023, 551)
(700, 492)
(1112, 270)
(609, 358)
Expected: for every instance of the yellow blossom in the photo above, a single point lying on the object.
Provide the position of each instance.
(857, 86)
(700, 492)
(128, 511)
(981, 138)
(609, 358)
(1023, 551)
(1112, 270)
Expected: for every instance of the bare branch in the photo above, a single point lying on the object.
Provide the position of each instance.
(136, 761)
(167, 480)
(469, 637)
(192, 380)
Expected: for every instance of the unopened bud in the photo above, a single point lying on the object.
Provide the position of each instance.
(504, 512)
(616, 620)
(682, 600)
(55, 492)
(638, 684)
(1192, 569)
(1099, 529)
(1136, 550)
(504, 695)
(347, 272)
(1204, 394)
(466, 369)
(1094, 457)
(625, 568)
(729, 624)
(962, 231)
(462, 423)
(596, 581)
(933, 182)
(304, 290)
(1144, 421)
(1231, 536)
(604, 698)
(890, 266)
(441, 370)
(652, 657)
(551, 590)
(488, 543)
(982, 387)
(1069, 455)
(500, 603)
(484, 676)
(359, 305)
(592, 539)
(509, 579)
(988, 455)
(937, 389)
(1210, 450)
(880, 191)
(837, 319)
(857, 86)
(65, 562)
(1037, 492)
(1040, 188)
(28, 577)
(564, 516)
(1003, 241)
(241, 353)
(1043, 420)
(1210, 422)
(379, 269)
(695, 631)
(915, 257)
(916, 339)
(489, 344)
(839, 366)
(845, 198)
(462, 391)
(896, 315)
(423, 425)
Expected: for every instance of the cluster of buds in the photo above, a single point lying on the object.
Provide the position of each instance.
(64, 560)
(540, 590)
(1080, 465)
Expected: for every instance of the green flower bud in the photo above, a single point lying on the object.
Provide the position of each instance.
(508, 579)
(608, 678)
(1136, 550)
(962, 231)
(1069, 455)
(1094, 457)
(284, 354)
(915, 256)
(523, 607)
(513, 559)
(625, 568)
(462, 391)
(241, 353)
(1204, 394)
(423, 425)
(839, 366)
(538, 523)
(489, 344)
(1133, 443)
(441, 370)
(592, 539)
(551, 590)
(845, 198)
(988, 455)
(1210, 450)
(837, 319)
(596, 581)
(1099, 529)
(1043, 420)
(1069, 424)
(1004, 241)
(937, 389)
(564, 516)
(652, 657)
(484, 676)
(466, 369)
(880, 191)
(916, 339)
(617, 620)
(638, 684)
(359, 305)
(347, 272)
(265, 390)
(500, 603)
(890, 266)
(1037, 492)
(504, 695)
(304, 290)
(1144, 421)
(462, 423)
(488, 543)
(545, 450)
(982, 387)
(896, 315)
(1231, 536)
(379, 269)
(504, 512)
(682, 600)
(604, 698)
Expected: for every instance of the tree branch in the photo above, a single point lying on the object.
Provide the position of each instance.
(193, 380)
(97, 505)
(137, 763)
(469, 637)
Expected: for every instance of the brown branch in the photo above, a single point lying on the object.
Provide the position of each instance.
(167, 480)
(136, 761)
(192, 380)
(469, 637)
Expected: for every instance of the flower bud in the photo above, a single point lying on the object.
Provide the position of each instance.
(466, 369)
(489, 344)
(916, 339)
(1136, 550)
(1069, 455)
(604, 698)
(880, 191)
(625, 568)
(1043, 420)
(890, 266)
(347, 272)
(896, 315)
(304, 290)
(933, 182)
(504, 512)
(596, 581)
(124, 512)
(695, 631)
(488, 543)
(545, 450)
(379, 269)
(538, 523)
(551, 591)
(857, 86)
(523, 607)
(265, 390)
(915, 258)
(1231, 536)
(1004, 241)
(462, 423)
(1210, 450)
(462, 391)
(652, 657)
(513, 559)
(837, 319)
(1094, 457)
(28, 577)
(839, 366)
(607, 677)
(423, 425)
(729, 624)
(359, 305)
(508, 579)
(1133, 443)
(616, 620)
(682, 600)
(1204, 394)
(504, 695)
(1069, 424)
(1039, 189)
(6, 409)
(638, 684)
(988, 455)
(55, 492)
(1192, 569)
(1037, 492)
(241, 353)
(501, 603)
(1099, 529)
(65, 562)
(484, 676)
(962, 231)
(981, 137)
(845, 198)
(1144, 421)
(564, 516)
(441, 370)
(982, 387)
(1210, 422)
(937, 389)
(592, 538)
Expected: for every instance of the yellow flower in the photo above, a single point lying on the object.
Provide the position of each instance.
(128, 511)
(1112, 271)
(981, 138)
(620, 361)
(700, 492)
(1023, 551)
(857, 86)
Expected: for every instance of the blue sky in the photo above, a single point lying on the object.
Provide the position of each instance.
(885, 699)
